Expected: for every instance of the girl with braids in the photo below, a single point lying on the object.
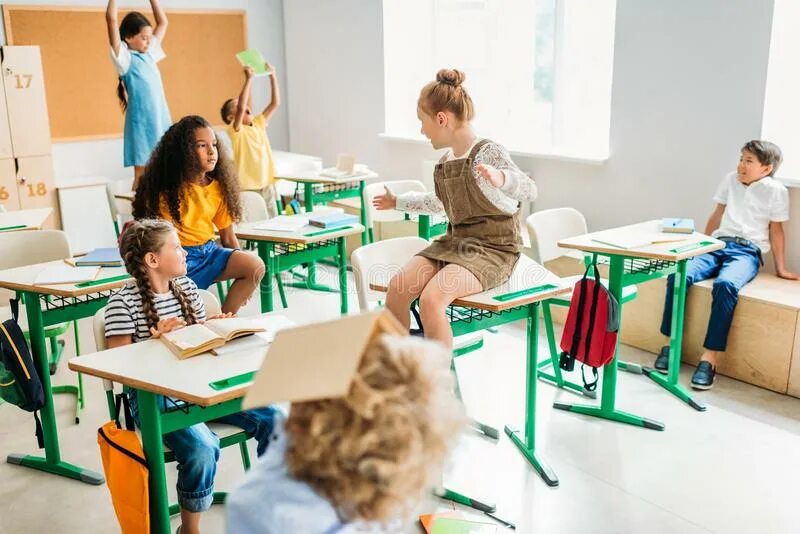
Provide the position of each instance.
(360, 463)
(191, 183)
(135, 51)
(480, 188)
(159, 299)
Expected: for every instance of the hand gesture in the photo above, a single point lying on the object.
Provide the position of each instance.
(270, 68)
(249, 72)
(387, 201)
(494, 176)
(166, 325)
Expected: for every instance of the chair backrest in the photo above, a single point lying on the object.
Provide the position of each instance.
(397, 187)
(548, 227)
(381, 257)
(254, 207)
(211, 303)
(33, 246)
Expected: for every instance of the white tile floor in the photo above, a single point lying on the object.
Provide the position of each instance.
(732, 469)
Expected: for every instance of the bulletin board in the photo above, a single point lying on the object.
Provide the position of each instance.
(199, 73)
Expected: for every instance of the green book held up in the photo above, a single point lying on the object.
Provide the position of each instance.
(252, 58)
(462, 526)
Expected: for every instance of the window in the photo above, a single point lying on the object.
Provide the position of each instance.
(781, 103)
(539, 71)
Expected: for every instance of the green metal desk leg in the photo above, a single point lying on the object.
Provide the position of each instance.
(365, 237)
(265, 249)
(527, 443)
(52, 462)
(670, 382)
(607, 409)
(342, 249)
(556, 379)
(150, 417)
(308, 198)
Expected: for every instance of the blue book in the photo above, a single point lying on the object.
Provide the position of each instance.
(677, 226)
(331, 220)
(102, 257)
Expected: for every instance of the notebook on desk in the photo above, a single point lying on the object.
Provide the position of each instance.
(214, 333)
(677, 225)
(283, 223)
(103, 257)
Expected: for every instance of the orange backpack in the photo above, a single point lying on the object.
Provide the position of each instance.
(126, 471)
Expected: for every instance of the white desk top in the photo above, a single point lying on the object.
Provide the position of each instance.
(527, 274)
(22, 278)
(316, 178)
(31, 219)
(688, 246)
(248, 231)
(293, 164)
(151, 366)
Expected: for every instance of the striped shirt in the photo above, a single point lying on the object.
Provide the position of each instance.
(125, 316)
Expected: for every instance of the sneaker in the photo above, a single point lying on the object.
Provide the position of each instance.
(662, 360)
(703, 377)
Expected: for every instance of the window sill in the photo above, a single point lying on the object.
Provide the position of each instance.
(555, 155)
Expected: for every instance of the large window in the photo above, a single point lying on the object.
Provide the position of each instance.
(782, 100)
(539, 71)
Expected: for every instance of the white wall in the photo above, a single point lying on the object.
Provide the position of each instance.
(265, 32)
(688, 91)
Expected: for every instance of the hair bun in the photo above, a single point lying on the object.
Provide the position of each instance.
(450, 77)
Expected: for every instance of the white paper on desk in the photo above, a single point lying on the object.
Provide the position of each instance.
(61, 273)
(334, 172)
(283, 223)
(271, 324)
(629, 240)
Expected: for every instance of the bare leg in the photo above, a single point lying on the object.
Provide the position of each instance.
(190, 522)
(407, 285)
(246, 270)
(137, 175)
(450, 283)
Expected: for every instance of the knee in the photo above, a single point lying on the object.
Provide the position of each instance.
(399, 291)
(432, 303)
(256, 268)
(202, 460)
(725, 287)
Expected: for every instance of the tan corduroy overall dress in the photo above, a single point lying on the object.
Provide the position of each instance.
(480, 237)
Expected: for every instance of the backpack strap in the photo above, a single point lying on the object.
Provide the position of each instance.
(122, 403)
(39, 430)
(14, 303)
(592, 315)
(589, 386)
(576, 335)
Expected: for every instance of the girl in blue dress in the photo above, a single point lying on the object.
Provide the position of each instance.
(135, 51)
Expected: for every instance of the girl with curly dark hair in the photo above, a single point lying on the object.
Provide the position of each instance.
(190, 183)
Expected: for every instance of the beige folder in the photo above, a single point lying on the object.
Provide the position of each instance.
(316, 361)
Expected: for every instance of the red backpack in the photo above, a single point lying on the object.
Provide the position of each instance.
(590, 333)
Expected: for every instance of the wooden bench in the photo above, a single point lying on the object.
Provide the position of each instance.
(764, 341)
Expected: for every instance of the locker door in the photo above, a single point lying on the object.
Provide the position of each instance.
(36, 186)
(9, 197)
(25, 98)
(5, 133)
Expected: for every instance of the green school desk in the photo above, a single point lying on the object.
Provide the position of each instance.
(46, 306)
(517, 299)
(204, 381)
(634, 265)
(282, 251)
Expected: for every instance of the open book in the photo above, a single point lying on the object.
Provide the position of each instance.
(199, 338)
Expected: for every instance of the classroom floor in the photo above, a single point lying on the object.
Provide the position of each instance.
(732, 469)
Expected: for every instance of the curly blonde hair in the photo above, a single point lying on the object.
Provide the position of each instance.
(374, 452)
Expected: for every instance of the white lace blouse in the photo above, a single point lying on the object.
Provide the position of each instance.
(518, 186)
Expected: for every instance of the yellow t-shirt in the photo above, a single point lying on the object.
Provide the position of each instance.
(253, 155)
(201, 210)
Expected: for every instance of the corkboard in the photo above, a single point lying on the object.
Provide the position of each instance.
(199, 73)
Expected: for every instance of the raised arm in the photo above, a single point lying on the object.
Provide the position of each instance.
(276, 95)
(715, 219)
(160, 31)
(494, 164)
(244, 95)
(112, 26)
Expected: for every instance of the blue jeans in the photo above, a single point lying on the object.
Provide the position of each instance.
(196, 450)
(205, 263)
(734, 266)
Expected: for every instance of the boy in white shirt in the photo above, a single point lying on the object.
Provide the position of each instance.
(751, 208)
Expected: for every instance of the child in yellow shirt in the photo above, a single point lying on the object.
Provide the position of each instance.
(251, 150)
(193, 185)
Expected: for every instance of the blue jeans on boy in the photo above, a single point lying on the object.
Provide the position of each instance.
(196, 450)
(734, 266)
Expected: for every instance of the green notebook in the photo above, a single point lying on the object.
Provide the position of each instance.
(252, 58)
(462, 526)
